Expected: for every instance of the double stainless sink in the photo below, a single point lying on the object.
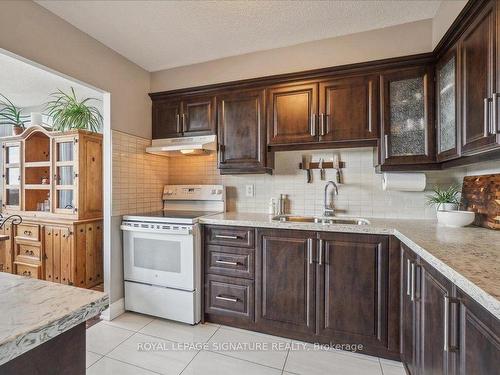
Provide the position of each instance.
(319, 220)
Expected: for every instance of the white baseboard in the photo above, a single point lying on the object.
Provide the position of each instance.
(114, 310)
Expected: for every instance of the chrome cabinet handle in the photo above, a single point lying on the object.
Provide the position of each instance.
(386, 145)
(322, 123)
(447, 301)
(178, 121)
(320, 255)
(183, 122)
(494, 123)
(226, 237)
(412, 292)
(446, 322)
(226, 299)
(226, 262)
(312, 125)
(486, 109)
(309, 251)
(408, 280)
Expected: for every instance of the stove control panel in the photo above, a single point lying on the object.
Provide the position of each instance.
(194, 192)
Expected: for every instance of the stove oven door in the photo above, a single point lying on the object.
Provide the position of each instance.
(163, 259)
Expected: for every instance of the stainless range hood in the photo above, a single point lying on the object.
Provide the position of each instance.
(183, 145)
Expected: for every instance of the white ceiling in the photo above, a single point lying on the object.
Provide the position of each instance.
(28, 86)
(159, 35)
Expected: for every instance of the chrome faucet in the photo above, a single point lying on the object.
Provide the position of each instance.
(329, 208)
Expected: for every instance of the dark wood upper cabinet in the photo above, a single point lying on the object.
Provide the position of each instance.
(285, 281)
(479, 339)
(292, 114)
(183, 117)
(407, 98)
(198, 116)
(478, 74)
(242, 132)
(166, 119)
(447, 120)
(348, 109)
(353, 288)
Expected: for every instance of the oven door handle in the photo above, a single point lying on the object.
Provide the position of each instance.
(157, 231)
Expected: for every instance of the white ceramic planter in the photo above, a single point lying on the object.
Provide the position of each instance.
(447, 207)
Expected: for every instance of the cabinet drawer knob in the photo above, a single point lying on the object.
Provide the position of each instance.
(229, 299)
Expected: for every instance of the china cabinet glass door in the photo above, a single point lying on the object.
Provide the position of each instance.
(12, 175)
(66, 175)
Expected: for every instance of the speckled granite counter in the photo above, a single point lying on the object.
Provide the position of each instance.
(469, 257)
(35, 311)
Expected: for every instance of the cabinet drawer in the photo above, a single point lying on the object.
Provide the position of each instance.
(229, 297)
(230, 236)
(29, 231)
(230, 261)
(28, 251)
(29, 270)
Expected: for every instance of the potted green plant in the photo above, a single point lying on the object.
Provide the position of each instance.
(445, 199)
(68, 112)
(11, 115)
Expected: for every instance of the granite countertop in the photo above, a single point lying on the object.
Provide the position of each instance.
(34, 311)
(469, 257)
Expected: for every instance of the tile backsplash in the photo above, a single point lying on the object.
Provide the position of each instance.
(138, 177)
(361, 193)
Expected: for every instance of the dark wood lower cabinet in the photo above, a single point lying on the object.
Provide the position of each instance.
(443, 331)
(409, 311)
(329, 288)
(478, 349)
(353, 288)
(436, 304)
(285, 281)
(348, 289)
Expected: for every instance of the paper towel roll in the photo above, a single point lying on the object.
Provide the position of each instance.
(404, 181)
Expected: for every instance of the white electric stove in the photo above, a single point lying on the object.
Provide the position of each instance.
(162, 253)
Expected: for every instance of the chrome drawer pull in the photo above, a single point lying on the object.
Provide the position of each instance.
(227, 299)
(226, 237)
(226, 262)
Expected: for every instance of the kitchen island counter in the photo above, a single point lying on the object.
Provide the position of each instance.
(34, 312)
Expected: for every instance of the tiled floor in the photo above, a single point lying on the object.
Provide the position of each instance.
(141, 345)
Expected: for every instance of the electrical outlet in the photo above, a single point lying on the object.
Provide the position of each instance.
(249, 190)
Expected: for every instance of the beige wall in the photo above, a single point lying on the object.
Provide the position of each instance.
(445, 15)
(389, 42)
(34, 33)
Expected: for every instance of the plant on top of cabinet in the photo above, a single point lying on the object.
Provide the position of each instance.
(11, 115)
(408, 132)
(68, 112)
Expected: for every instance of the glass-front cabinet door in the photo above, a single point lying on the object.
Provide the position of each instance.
(12, 175)
(65, 175)
(408, 135)
(446, 116)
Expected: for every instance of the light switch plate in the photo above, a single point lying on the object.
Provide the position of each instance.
(249, 190)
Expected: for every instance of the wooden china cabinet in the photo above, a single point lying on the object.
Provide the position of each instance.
(53, 180)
